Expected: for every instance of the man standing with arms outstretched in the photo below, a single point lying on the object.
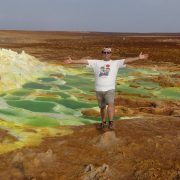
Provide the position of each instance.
(105, 77)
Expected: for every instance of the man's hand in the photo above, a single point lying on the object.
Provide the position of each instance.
(143, 56)
(68, 60)
(140, 57)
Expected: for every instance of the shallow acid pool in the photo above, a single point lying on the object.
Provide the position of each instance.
(54, 101)
(47, 99)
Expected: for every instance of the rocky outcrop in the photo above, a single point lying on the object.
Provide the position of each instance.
(108, 139)
(91, 172)
(5, 137)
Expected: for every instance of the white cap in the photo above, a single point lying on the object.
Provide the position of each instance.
(106, 50)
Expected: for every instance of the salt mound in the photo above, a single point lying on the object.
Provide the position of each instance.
(17, 69)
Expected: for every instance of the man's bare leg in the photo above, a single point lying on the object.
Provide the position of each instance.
(110, 111)
(103, 113)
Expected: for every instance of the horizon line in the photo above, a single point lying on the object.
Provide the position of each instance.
(72, 31)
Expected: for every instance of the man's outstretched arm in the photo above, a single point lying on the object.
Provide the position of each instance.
(140, 57)
(81, 61)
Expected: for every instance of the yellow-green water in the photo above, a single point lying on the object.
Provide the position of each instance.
(52, 101)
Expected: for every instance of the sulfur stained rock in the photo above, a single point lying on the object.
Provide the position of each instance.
(90, 112)
(123, 111)
(91, 172)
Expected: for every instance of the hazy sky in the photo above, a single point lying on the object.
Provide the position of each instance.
(91, 15)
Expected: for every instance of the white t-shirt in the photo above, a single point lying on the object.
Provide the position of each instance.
(105, 73)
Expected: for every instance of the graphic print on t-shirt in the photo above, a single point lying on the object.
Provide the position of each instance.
(104, 70)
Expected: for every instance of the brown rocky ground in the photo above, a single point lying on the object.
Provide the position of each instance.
(144, 148)
(55, 46)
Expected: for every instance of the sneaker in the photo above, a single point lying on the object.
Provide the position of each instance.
(111, 125)
(101, 125)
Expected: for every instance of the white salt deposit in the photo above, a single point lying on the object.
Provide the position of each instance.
(17, 69)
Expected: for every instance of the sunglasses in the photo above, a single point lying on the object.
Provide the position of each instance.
(103, 52)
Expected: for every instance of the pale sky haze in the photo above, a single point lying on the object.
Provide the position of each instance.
(91, 15)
